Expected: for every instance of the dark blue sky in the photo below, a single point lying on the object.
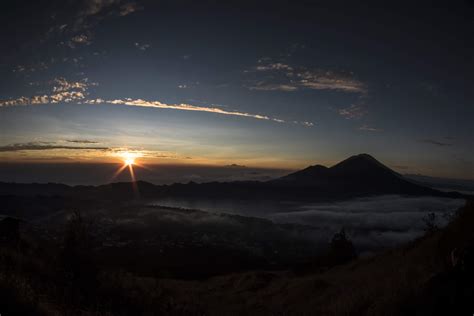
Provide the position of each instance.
(263, 84)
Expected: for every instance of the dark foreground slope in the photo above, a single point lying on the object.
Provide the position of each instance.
(433, 275)
(430, 276)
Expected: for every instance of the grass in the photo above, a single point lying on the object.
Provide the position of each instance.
(405, 281)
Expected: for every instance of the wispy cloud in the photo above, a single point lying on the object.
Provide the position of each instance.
(355, 111)
(65, 96)
(369, 128)
(89, 14)
(46, 146)
(95, 7)
(62, 91)
(263, 86)
(61, 84)
(274, 66)
(67, 92)
(305, 123)
(128, 8)
(328, 80)
(81, 141)
(86, 151)
(182, 107)
(142, 46)
(273, 76)
(80, 39)
(435, 142)
(31, 68)
(92, 7)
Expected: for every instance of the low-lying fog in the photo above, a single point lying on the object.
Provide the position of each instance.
(372, 222)
(173, 231)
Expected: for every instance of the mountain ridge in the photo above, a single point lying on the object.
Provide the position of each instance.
(357, 176)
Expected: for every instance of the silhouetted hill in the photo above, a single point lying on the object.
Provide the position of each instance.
(359, 175)
(359, 168)
(308, 176)
(31, 189)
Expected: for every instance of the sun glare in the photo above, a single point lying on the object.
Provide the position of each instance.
(129, 161)
(128, 158)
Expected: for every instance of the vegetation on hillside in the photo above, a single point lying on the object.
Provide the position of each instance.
(431, 275)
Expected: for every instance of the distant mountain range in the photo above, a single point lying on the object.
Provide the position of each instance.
(359, 175)
(444, 184)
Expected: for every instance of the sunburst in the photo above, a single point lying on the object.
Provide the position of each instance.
(129, 160)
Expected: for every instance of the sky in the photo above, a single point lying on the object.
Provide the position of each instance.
(261, 84)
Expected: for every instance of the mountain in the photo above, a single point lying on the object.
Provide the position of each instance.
(359, 175)
(361, 167)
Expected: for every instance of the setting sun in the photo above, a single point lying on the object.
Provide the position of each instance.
(128, 158)
(129, 161)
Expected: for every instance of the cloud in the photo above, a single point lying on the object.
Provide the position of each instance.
(119, 7)
(25, 101)
(284, 77)
(435, 142)
(65, 96)
(94, 11)
(355, 111)
(45, 146)
(128, 8)
(369, 129)
(182, 107)
(273, 87)
(67, 92)
(81, 141)
(31, 68)
(305, 123)
(373, 221)
(76, 26)
(81, 39)
(85, 149)
(62, 91)
(142, 46)
(330, 81)
(61, 84)
(274, 66)
(93, 7)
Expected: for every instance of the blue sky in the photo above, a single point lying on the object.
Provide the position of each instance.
(265, 84)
